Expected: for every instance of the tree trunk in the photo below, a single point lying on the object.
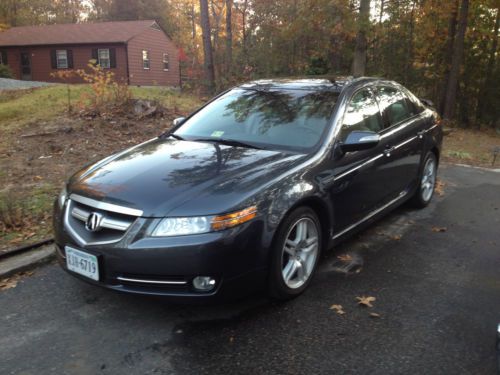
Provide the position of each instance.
(359, 62)
(452, 29)
(208, 62)
(381, 14)
(409, 48)
(483, 93)
(456, 63)
(229, 36)
(216, 14)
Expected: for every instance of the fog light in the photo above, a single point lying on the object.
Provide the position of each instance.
(203, 283)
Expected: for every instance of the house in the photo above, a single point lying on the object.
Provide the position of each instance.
(138, 52)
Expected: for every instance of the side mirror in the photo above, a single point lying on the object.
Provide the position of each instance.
(178, 121)
(360, 140)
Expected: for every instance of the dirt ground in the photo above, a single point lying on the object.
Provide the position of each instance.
(35, 160)
(472, 147)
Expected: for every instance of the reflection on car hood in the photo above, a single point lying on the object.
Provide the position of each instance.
(193, 178)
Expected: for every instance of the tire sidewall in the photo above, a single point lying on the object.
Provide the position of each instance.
(277, 287)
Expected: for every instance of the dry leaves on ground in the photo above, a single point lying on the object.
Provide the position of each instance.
(439, 187)
(374, 315)
(395, 237)
(439, 229)
(345, 257)
(366, 301)
(338, 309)
(11, 282)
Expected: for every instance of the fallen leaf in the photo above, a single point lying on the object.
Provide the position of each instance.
(338, 309)
(395, 237)
(374, 315)
(366, 301)
(439, 187)
(439, 229)
(38, 178)
(345, 257)
(8, 283)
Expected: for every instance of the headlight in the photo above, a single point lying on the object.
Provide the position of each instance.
(62, 197)
(180, 226)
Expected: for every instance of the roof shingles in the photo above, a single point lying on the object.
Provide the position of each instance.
(80, 33)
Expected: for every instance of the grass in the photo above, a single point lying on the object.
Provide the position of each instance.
(20, 107)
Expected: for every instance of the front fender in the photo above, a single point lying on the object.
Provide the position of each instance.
(293, 192)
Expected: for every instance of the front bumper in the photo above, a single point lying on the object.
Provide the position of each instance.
(235, 258)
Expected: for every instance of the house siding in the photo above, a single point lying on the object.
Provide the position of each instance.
(157, 43)
(41, 65)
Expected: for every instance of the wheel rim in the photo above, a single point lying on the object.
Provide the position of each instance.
(428, 179)
(299, 253)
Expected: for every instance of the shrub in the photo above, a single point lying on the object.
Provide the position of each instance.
(5, 71)
(105, 95)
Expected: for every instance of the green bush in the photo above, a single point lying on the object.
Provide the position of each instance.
(5, 71)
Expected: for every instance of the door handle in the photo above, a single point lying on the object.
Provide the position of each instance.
(388, 150)
(420, 134)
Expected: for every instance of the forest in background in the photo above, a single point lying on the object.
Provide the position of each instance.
(443, 50)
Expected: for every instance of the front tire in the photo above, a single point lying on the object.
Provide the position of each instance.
(427, 182)
(295, 254)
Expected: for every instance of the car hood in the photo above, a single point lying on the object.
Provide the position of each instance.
(162, 176)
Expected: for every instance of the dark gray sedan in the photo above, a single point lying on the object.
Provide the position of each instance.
(246, 192)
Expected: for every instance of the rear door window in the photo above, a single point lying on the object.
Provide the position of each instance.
(362, 114)
(394, 106)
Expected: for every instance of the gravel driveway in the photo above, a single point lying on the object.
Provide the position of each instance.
(15, 84)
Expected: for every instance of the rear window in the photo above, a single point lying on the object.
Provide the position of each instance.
(394, 105)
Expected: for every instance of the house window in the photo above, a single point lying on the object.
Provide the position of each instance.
(103, 58)
(145, 59)
(165, 62)
(1, 58)
(62, 59)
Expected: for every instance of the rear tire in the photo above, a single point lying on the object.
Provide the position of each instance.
(295, 254)
(426, 182)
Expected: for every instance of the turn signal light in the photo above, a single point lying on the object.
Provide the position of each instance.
(221, 222)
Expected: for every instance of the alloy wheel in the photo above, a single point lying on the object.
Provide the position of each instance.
(300, 252)
(428, 179)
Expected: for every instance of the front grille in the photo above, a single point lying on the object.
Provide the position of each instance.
(111, 225)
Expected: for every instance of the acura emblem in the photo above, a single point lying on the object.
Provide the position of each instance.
(93, 223)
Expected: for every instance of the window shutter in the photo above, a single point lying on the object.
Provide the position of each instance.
(112, 58)
(94, 56)
(53, 58)
(4, 57)
(70, 58)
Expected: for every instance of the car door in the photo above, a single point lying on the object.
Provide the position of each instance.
(356, 188)
(402, 138)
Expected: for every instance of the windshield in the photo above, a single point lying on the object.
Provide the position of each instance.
(271, 119)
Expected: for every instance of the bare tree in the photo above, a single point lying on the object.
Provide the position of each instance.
(359, 62)
(456, 63)
(208, 62)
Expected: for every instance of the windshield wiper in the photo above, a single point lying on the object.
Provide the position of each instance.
(228, 142)
(176, 136)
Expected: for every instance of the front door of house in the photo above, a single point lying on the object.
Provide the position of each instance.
(25, 66)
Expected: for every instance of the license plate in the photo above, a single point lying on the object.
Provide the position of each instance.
(82, 263)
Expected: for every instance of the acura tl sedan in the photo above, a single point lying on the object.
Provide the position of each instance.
(248, 191)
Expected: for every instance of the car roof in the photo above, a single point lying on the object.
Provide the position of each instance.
(309, 83)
